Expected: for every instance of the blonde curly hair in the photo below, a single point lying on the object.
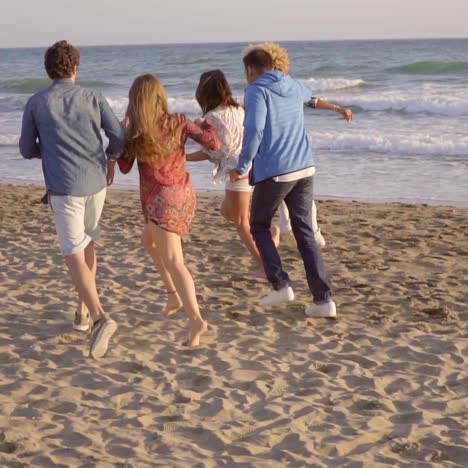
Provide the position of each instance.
(278, 54)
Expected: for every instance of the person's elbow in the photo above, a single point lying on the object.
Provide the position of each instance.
(116, 142)
(28, 150)
(115, 149)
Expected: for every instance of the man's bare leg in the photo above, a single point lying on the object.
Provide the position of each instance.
(91, 262)
(85, 282)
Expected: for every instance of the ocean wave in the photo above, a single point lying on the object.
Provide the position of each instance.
(394, 144)
(432, 68)
(368, 142)
(9, 140)
(410, 103)
(329, 84)
(12, 103)
(33, 85)
(182, 105)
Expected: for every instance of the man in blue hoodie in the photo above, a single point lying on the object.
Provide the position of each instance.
(276, 145)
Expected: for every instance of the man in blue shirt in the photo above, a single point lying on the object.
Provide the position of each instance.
(276, 144)
(62, 127)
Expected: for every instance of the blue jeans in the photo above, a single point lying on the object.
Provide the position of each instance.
(298, 196)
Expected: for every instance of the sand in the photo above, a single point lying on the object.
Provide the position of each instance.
(384, 384)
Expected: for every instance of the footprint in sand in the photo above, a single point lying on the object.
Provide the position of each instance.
(279, 388)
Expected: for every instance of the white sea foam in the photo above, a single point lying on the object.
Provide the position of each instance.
(367, 142)
(328, 84)
(182, 105)
(451, 106)
(392, 144)
(9, 140)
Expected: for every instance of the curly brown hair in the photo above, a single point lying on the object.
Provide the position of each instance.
(60, 60)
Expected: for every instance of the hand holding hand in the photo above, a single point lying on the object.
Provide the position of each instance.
(234, 176)
(110, 172)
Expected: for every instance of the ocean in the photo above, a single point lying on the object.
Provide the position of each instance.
(408, 141)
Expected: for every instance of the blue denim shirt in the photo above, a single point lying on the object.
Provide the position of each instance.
(62, 126)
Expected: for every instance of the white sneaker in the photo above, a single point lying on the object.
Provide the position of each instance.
(285, 294)
(81, 322)
(327, 309)
(319, 239)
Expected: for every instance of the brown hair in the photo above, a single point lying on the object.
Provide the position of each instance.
(278, 54)
(213, 91)
(60, 60)
(259, 59)
(150, 131)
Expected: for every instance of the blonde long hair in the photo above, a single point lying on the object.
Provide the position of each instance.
(150, 129)
(278, 54)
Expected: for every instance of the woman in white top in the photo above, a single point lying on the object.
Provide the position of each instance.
(218, 105)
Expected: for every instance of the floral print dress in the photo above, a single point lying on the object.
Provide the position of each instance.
(166, 191)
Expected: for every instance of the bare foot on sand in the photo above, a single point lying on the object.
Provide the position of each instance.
(197, 328)
(173, 304)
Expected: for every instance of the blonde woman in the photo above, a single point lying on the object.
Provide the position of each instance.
(281, 63)
(156, 139)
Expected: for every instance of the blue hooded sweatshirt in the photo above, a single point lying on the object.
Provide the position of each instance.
(274, 135)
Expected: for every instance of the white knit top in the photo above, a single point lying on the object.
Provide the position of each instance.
(229, 123)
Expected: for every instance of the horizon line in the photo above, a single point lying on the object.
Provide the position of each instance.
(383, 39)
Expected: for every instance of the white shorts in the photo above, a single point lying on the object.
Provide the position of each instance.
(241, 185)
(77, 220)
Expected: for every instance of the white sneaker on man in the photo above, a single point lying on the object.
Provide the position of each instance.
(285, 294)
(319, 239)
(324, 310)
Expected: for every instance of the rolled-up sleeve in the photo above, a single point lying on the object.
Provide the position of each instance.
(112, 128)
(29, 139)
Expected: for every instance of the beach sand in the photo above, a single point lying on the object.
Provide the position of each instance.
(384, 384)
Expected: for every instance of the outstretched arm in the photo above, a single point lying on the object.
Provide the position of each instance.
(317, 103)
(203, 133)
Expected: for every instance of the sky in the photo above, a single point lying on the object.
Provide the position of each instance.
(28, 23)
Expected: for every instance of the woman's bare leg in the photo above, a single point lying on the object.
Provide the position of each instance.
(235, 208)
(170, 249)
(173, 300)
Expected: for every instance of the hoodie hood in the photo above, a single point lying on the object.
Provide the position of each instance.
(277, 83)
